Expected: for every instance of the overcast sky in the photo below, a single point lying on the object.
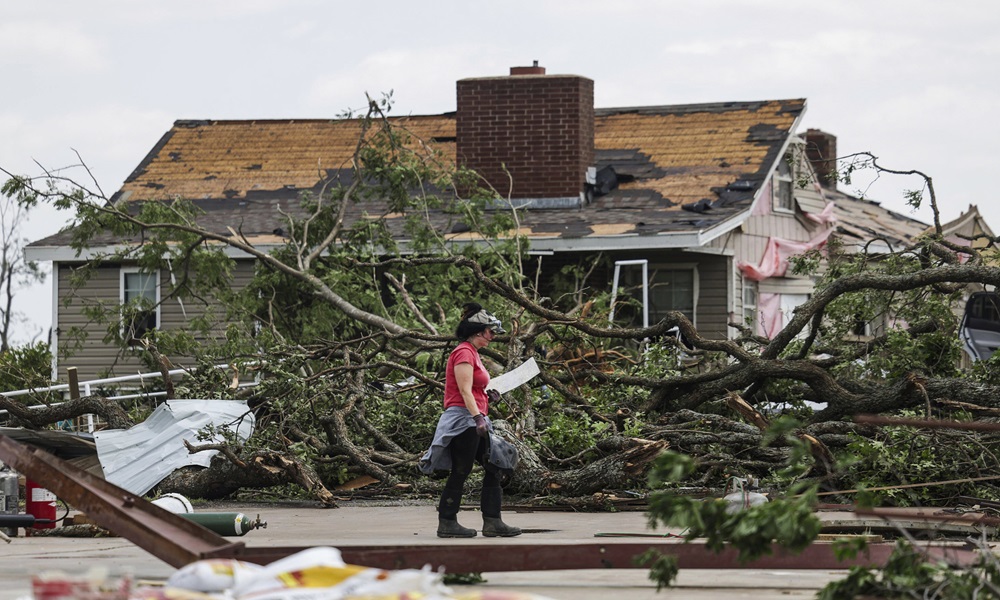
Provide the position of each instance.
(914, 82)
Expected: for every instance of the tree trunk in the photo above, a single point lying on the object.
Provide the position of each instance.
(623, 467)
(227, 474)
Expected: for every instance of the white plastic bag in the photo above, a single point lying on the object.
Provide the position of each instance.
(213, 575)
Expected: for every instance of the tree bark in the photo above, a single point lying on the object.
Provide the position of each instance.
(40, 416)
(620, 468)
(228, 473)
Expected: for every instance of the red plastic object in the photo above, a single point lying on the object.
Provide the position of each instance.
(61, 587)
(41, 504)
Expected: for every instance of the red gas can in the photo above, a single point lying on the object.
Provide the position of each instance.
(40, 503)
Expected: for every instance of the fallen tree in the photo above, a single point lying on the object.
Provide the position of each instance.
(342, 329)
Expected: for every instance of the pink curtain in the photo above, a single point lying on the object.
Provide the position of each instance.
(768, 314)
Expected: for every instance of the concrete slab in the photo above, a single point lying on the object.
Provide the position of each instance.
(304, 525)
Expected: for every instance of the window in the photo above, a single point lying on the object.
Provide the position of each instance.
(750, 303)
(672, 289)
(861, 328)
(140, 296)
(783, 197)
(789, 302)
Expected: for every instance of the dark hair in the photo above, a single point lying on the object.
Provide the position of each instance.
(465, 329)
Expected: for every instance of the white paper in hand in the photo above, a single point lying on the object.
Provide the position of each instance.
(511, 379)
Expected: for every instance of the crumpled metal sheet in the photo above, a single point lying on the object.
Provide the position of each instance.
(138, 458)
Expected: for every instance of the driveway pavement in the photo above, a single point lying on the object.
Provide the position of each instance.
(356, 524)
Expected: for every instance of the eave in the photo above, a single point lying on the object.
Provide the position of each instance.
(594, 243)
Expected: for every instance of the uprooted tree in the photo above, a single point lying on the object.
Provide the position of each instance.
(347, 334)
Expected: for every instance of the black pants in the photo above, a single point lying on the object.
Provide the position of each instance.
(466, 449)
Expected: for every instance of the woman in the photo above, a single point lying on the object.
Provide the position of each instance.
(462, 434)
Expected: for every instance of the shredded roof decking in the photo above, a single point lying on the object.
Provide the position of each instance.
(240, 171)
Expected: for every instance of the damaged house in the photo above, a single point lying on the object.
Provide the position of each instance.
(708, 200)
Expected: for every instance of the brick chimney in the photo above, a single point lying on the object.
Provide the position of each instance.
(540, 127)
(821, 150)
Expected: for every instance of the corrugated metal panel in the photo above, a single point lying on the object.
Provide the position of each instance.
(138, 458)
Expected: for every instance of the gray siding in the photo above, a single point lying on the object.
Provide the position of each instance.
(713, 298)
(95, 358)
(713, 287)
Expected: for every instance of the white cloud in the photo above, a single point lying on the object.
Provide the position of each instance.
(430, 89)
(50, 48)
(119, 13)
(111, 140)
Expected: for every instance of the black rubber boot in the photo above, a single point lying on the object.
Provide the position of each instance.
(448, 527)
(493, 525)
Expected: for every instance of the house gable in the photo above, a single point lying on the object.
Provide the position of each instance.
(652, 182)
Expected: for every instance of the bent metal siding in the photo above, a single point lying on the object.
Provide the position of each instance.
(94, 358)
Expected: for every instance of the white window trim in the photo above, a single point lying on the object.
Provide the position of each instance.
(121, 292)
(752, 285)
(776, 188)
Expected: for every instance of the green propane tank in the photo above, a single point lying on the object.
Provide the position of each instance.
(225, 523)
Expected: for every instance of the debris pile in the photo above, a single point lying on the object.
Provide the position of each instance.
(313, 574)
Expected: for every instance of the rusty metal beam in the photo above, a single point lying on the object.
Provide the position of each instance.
(480, 558)
(929, 514)
(172, 539)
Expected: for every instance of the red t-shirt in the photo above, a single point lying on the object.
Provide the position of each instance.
(466, 353)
